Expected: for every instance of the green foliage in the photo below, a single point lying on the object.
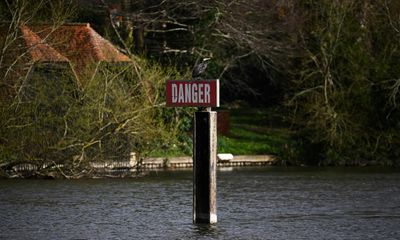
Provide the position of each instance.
(341, 90)
(54, 122)
(336, 64)
(254, 131)
(178, 121)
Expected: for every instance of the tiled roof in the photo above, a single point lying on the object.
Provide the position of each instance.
(38, 50)
(76, 44)
(80, 44)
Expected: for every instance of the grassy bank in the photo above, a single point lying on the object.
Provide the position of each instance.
(254, 131)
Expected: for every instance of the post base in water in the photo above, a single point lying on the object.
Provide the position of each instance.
(204, 168)
(205, 218)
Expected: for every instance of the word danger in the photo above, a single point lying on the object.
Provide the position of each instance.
(193, 93)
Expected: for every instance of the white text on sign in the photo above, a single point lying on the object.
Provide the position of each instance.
(200, 93)
(193, 93)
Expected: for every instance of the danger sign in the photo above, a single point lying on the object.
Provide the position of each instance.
(204, 93)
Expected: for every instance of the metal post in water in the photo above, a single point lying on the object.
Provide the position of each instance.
(204, 167)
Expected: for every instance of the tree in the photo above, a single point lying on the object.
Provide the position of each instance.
(58, 126)
(340, 89)
(250, 41)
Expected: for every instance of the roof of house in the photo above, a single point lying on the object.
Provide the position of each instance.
(38, 50)
(77, 44)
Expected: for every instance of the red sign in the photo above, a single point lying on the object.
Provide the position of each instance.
(203, 93)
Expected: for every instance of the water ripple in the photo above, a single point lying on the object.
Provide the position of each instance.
(261, 203)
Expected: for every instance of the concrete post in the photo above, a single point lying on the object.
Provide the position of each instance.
(204, 168)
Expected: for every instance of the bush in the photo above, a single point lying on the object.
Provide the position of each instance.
(52, 121)
(344, 82)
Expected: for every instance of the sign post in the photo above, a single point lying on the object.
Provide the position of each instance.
(203, 93)
(204, 168)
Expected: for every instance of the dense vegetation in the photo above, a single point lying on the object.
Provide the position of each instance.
(55, 123)
(343, 93)
(331, 68)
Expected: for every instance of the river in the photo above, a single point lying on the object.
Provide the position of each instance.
(253, 203)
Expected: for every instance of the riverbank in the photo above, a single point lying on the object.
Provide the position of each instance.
(242, 130)
(187, 162)
(133, 168)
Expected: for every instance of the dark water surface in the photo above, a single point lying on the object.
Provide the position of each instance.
(253, 203)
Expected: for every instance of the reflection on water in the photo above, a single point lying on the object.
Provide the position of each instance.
(253, 203)
(204, 230)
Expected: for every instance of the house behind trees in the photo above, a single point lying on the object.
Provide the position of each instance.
(72, 48)
(49, 113)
